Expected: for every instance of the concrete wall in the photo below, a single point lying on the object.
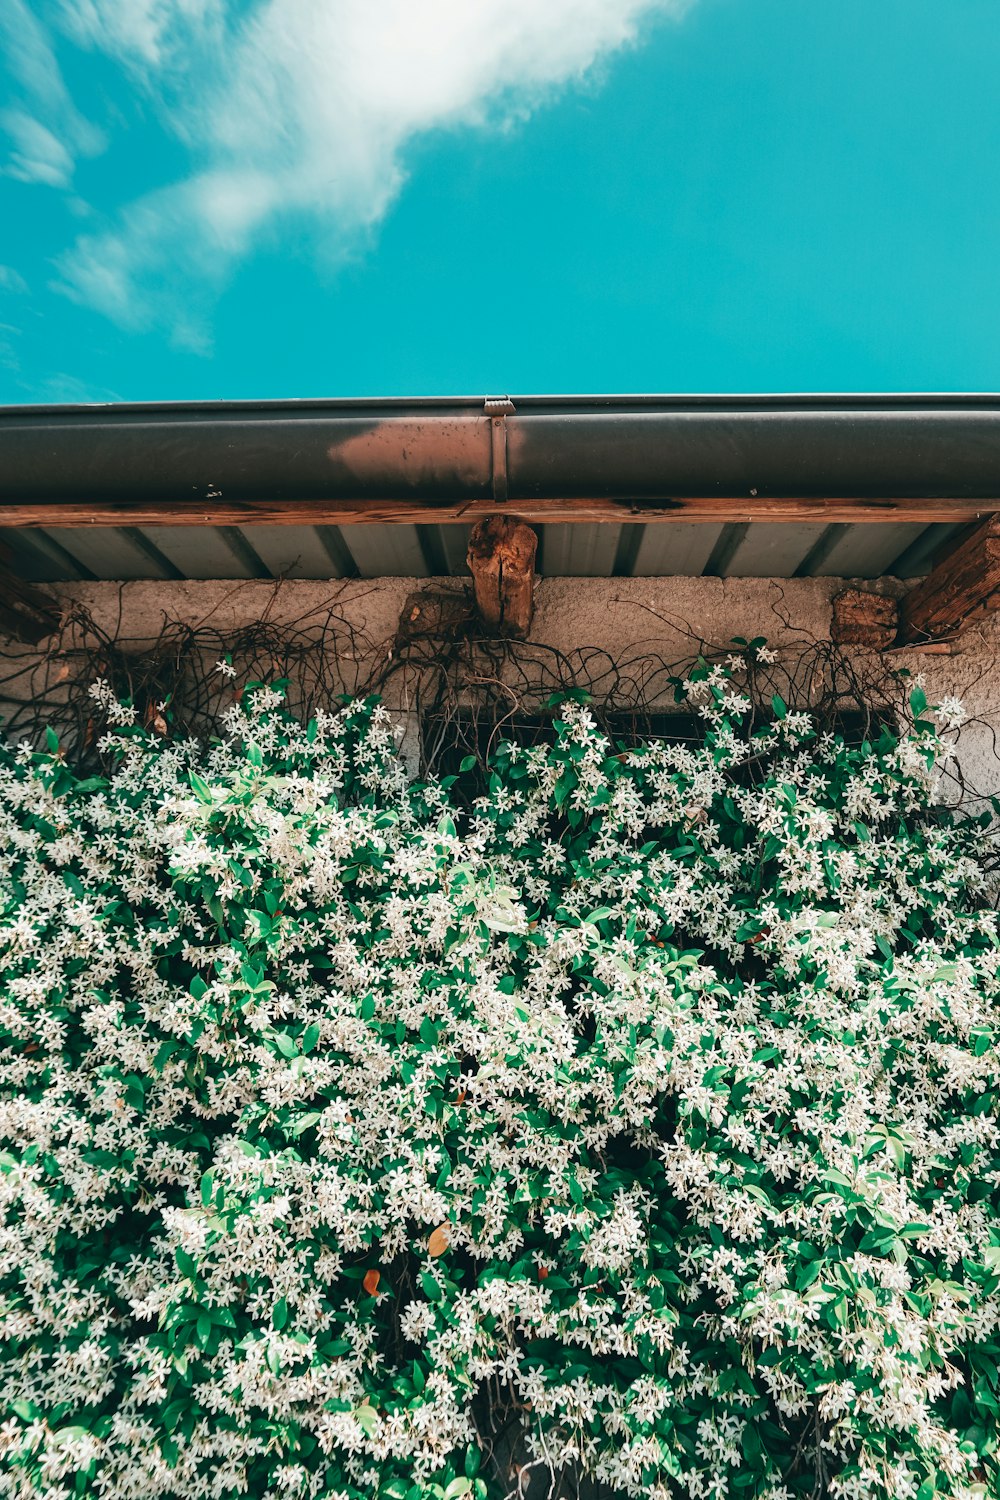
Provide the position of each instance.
(623, 616)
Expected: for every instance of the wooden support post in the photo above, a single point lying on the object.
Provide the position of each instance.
(963, 588)
(502, 563)
(26, 613)
(863, 619)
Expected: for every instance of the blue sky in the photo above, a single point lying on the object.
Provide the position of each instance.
(219, 198)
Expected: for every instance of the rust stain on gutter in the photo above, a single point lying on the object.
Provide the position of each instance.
(450, 455)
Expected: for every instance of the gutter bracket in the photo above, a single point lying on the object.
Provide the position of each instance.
(498, 409)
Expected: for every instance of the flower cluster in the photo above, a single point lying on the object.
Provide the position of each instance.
(635, 1127)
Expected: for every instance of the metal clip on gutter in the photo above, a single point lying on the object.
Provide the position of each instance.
(498, 409)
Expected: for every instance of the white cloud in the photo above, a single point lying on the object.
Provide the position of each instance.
(12, 284)
(9, 355)
(64, 388)
(12, 281)
(46, 130)
(300, 112)
(36, 154)
(142, 33)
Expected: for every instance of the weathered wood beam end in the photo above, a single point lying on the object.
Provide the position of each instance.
(962, 590)
(501, 560)
(27, 613)
(434, 614)
(861, 618)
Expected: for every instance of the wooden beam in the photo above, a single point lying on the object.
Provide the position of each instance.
(26, 613)
(502, 563)
(712, 509)
(964, 588)
(861, 618)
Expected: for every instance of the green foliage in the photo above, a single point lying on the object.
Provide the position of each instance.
(640, 1123)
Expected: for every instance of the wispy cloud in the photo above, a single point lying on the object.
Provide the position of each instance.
(143, 34)
(36, 155)
(64, 388)
(12, 285)
(12, 281)
(46, 131)
(298, 115)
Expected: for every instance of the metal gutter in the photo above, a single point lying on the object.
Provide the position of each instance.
(642, 448)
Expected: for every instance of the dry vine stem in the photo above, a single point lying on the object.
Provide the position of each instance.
(464, 688)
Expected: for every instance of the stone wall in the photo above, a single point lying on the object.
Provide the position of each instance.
(622, 616)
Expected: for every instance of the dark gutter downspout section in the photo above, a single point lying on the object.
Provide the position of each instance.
(634, 449)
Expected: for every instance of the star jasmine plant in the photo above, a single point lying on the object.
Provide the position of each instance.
(632, 1130)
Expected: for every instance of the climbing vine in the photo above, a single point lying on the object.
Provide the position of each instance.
(630, 1126)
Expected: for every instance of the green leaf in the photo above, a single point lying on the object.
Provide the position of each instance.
(366, 1417)
(982, 1041)
(200, 787)
(185, 1263)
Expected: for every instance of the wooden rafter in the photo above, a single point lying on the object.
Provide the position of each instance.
(964, 588)
(712, 509)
